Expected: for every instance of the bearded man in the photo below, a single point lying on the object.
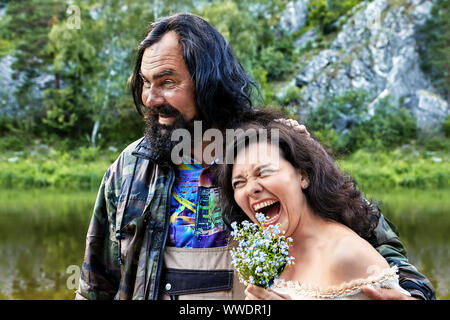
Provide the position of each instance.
(156, 231)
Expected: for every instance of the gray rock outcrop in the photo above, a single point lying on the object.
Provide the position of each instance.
(294, 16)
(376, 50)
(8, 105)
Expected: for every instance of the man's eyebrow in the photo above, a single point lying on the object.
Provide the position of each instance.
(239, 176)
(159, 75)
(142, 76)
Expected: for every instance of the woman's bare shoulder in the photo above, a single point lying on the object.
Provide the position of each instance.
(351, 257)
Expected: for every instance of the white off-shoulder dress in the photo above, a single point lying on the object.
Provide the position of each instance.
(387, 278)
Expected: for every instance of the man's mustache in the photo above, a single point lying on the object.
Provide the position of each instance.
(163, 109)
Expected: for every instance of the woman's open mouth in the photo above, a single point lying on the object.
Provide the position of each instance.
(271, 209)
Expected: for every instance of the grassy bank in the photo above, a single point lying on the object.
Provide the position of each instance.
(406, 168)
(83, 169)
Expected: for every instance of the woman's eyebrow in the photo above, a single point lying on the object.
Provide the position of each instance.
(239, 176)
(258, 168)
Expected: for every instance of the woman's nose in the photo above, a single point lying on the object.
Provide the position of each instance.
(254, 188)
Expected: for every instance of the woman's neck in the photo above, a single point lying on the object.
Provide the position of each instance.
(311, 234)
(311, 239)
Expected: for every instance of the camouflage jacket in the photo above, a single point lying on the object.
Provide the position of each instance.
(128, 232)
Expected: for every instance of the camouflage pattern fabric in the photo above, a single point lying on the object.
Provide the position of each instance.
(389, 246)
(128, 232)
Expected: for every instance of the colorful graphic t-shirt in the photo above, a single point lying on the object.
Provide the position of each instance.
(195, 218)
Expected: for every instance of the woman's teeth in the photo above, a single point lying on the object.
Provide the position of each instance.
(272, 220)
(264, 204)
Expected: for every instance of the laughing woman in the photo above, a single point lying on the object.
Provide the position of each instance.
(295, 183)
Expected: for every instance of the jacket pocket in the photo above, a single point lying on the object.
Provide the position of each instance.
(183, 281)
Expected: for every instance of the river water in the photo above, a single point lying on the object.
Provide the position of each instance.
(42, 238)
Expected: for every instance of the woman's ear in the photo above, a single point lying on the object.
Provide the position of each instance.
(303, 179)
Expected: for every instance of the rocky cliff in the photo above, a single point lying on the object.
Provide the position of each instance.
(375, 50)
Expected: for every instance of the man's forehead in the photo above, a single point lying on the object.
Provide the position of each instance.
(166, 54)
(169, 42)
(169, 61)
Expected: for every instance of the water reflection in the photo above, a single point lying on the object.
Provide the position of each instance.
(423, 220)
(42, 233)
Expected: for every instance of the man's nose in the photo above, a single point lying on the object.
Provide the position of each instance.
(152, 97)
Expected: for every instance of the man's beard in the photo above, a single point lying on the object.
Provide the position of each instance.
(159, 136)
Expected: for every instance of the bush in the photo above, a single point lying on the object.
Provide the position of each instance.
(266, 88)
(446, 127)
(291, 95)
(344, 123)
(381, 170)
(122, 127)
(81, 169)
(433, 142)
(391, 126)
(13, 142)
(274, 62)
(328, 138)
(277, 58)
(325, 13)
(345, 115)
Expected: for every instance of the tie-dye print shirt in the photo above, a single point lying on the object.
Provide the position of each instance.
(195, 220)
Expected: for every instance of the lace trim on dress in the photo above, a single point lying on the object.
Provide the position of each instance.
(345, 289)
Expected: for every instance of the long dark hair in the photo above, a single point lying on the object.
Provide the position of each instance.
(331, 194)
(222, 88)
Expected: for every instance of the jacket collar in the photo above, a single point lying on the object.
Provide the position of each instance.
(143, 151)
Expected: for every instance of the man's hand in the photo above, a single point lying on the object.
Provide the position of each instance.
(257, 293)
(377, 293)
(294, 125)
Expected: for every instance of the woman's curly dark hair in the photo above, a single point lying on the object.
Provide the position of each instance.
(331, 194)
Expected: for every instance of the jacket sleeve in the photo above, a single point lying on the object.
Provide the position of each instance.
(100, 273)
(390, 247)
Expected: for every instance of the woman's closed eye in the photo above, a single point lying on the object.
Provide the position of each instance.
(261, 173)
(237, 183)
(265, 172)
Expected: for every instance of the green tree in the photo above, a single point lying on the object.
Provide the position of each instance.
(74, 64)
(237, 26)
(95, 62)
(435, 47)
(25, 31)
(250, 28)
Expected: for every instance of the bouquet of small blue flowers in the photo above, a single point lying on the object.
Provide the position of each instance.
(262, 253)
